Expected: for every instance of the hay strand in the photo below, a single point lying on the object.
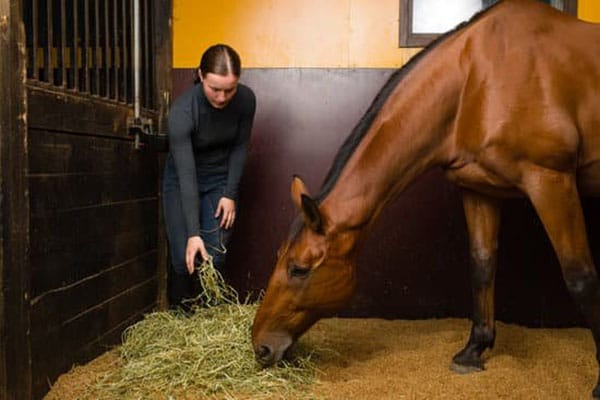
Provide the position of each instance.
(214, 289)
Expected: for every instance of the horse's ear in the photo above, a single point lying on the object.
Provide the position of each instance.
(312, 215)
(308, 207)
(297, 190)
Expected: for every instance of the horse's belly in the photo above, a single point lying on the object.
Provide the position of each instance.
(472, 176)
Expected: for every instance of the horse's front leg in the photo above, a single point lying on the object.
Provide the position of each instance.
(483, 221)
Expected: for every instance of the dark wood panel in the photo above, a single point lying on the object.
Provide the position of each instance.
(15, 356)
(73, 245)
(163, 39)
(69, 171)
(114, 335)
(77, 113)
(53, 351)
(93, 226)
(93, 203)
(63, 193)
(55, 152)
(51, 310)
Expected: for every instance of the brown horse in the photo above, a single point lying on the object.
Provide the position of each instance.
(507, 104)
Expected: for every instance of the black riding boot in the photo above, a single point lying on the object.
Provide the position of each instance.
(180, 290)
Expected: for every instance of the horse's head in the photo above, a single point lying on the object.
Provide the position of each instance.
(314, 277)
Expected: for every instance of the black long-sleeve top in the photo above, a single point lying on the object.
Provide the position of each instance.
(204, 140)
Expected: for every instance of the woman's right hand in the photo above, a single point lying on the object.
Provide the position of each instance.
(195, 244)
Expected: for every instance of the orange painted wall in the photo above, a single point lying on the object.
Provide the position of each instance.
(291, 33)
(300, 34)
(589, 10)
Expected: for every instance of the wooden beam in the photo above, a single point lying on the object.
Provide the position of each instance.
(15, 353)
(163, 43)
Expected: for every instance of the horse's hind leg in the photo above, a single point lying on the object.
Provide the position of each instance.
(555, 198)
(483, 220)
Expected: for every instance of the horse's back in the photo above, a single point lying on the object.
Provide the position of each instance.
(527, 50)
(532, 92)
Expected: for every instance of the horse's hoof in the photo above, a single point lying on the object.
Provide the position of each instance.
(596, 393)
(465, 369)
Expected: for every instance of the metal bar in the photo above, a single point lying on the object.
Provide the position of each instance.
(75, 61)
(136, 59)
(107, 59)
(27, 24)
(147, 60)
(130, 54)
(34, 39)
(115, 51)
(63, 42)
(97, 53)
(125, 51)
(49, 44)
(86, 46)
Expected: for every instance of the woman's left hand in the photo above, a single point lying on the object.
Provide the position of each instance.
(226, 210)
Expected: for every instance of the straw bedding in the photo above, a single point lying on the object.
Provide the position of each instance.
(379, 359)
(337, 359)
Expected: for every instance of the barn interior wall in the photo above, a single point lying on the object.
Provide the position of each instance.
(414, 264)
(82, 255)
(15, 380)
(93, 230)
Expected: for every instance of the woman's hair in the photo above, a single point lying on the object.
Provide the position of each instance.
(219, 59)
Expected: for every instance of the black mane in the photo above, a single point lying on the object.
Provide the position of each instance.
(359, 131)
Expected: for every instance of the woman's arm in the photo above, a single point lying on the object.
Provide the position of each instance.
(239, 150)
(181, 126)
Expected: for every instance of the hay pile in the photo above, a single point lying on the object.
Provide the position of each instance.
(375, 359)
(208, 354)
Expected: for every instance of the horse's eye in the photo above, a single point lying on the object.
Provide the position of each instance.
(298, 271)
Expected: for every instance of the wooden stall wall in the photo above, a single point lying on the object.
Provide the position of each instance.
(315, 67)
(83, 253)
(15, 380)
(93, 230)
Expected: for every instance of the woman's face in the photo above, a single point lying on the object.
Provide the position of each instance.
(219, 89)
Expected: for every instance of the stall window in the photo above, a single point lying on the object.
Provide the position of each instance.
(421, 21)
(86, 46)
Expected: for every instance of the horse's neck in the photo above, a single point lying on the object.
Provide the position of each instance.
(409, 135)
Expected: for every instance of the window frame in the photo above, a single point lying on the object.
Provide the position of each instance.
(407, 38)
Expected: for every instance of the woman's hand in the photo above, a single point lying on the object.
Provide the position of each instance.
(226, 210)
(195, 244)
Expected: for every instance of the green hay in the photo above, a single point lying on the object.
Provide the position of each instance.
(214, 290)
(207, 354)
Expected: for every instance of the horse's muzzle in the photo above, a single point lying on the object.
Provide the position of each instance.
(264, 355)
(269, 351)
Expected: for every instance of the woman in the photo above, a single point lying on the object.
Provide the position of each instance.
(209, 133)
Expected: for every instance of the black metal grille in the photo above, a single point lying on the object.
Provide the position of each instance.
(87, 46)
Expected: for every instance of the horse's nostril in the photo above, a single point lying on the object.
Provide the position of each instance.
(263, 353)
